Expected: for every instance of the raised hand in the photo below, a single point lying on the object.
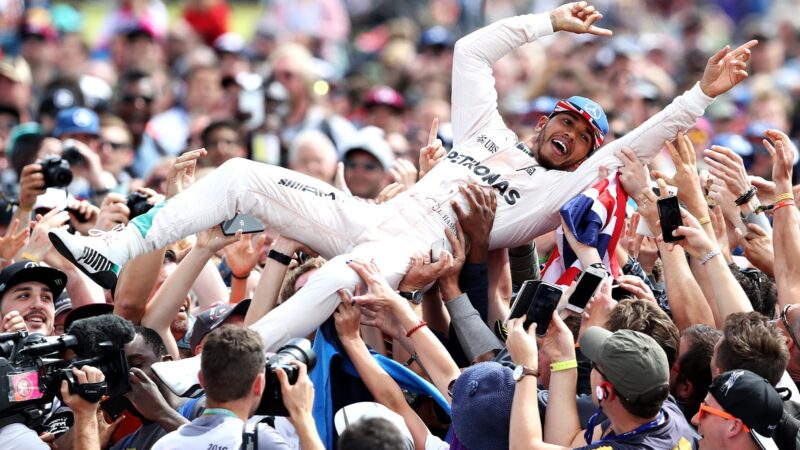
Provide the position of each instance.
(242, 256)
(31, 185)
(181, 173)
(389, 192)
(728, 167)
(685, 178)
(113, 211)
(39, 245)
(433, 152)
(347, 318)
(782, 154)
(758, 248)
(578, 18)
(633, 174)
(478, 221)
(696, 241)
(338, 179)
(12, 242)
(404, 172)
(725, 69)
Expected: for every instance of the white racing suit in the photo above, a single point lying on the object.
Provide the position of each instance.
(486, 152)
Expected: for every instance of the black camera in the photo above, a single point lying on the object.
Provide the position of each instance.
(56, 172)
(295, 349)
(137, 204)
(70, 152)
(31, 370)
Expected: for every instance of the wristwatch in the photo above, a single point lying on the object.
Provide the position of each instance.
(520, 371)
(414, 297)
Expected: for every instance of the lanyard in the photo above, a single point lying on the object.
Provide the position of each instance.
(220, 412)
(658, 421)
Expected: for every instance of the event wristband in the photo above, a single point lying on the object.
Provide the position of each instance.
(563, 365)
(280, 257)
(710, 255)
(786, 196)
(704, 220)
(782, 204)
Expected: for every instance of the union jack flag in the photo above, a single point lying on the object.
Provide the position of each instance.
(596, 218)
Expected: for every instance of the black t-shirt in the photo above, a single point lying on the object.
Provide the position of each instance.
(674, 434)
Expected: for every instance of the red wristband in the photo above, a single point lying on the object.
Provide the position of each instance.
(421, 324)
(781, 204)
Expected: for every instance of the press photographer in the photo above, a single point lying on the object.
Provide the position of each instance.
(233, 376)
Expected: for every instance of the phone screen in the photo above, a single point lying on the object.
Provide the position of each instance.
(587, 284)
(523, 300)
(669, 213)
(541, 310)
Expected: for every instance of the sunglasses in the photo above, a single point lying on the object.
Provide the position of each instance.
(368, 166)
(115, 146)
(705, 409)
(786, 325)
(131, 98)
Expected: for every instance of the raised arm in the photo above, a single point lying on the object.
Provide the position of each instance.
(432, 355)
(168, 299)
(378, 382)
(786, 238)
(724, 70)
(474, 98)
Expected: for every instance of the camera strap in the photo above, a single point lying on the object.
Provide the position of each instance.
(250, 432)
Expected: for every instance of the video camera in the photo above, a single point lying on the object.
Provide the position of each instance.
(31, 370)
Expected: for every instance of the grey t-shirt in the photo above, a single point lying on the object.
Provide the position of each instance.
(218, 431)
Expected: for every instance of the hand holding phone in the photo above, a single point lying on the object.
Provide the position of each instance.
(669, 213)
(587, 284)
(246, 223)
(523, 299)
(544, 302)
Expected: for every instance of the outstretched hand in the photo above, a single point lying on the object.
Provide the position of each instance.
(578, 18)
(725, 69)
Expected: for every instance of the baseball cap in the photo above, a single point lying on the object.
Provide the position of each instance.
(212, 318)
(229, 43)
(386, 96)
(371, 140)
(75, 121)
(23, 129)
(351, 414)
(26, 270)
(86, 311)
(738, 144)
(481, 408)
(590, 111)
(752, 399)
(63, 303)
(633, 362)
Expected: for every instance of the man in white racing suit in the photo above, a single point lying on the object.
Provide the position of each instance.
(531, 178)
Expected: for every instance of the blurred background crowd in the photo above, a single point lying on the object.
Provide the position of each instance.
(298, 83)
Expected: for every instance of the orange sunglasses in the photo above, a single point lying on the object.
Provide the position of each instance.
(704, 408)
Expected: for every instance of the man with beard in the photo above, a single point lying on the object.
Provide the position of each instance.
(531, 178)
(27, 295)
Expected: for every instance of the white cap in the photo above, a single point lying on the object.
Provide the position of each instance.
(351, 414)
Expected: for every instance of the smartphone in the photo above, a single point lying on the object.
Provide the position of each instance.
(669, 213)
(523, 300)
(244, 222)
(544, 302)
(587, 284)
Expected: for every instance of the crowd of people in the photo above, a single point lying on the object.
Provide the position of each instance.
(320, 231)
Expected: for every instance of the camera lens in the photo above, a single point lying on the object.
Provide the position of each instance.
(299, 349)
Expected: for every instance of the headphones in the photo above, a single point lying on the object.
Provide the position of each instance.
(604, 391)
